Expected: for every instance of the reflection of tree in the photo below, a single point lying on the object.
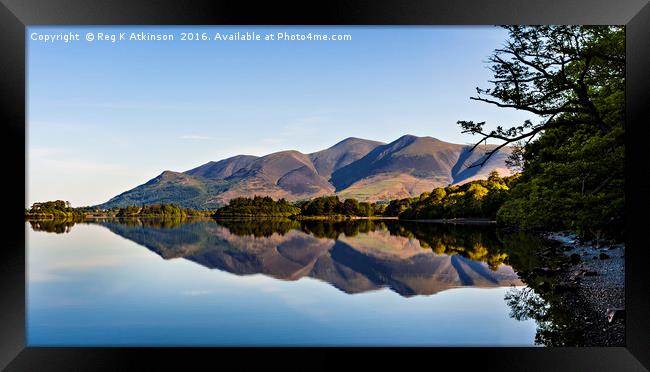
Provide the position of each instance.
(57, 226)
(537, 264)
(260, 227)
(480, 252)
(164, 223)
(478, 243)
(555, 326)
(332, 229)
(526, 304)
(156, 222)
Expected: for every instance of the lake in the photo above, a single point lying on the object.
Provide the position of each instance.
(276, 282)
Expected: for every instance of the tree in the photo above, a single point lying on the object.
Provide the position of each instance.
(397, 206)
(58, 209)
(555, 73)
(572, 160)
(350, 207)
(257, 206)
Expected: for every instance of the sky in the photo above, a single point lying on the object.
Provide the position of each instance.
(104, 117)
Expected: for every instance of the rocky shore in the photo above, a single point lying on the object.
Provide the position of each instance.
(592, 285)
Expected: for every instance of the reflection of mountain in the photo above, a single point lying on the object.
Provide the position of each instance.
(353, 263)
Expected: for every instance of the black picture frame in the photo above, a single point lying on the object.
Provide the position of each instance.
(15, 15)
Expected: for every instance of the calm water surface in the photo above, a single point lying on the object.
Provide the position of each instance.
(274, 282)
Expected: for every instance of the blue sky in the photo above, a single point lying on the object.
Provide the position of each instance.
(104, 117)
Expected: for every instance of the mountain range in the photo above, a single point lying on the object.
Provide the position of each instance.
(359, 168)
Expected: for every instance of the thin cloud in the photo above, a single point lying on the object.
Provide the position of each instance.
(86, 167)
(198, 292)
(196, 137)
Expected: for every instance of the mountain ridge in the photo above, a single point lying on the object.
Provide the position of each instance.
(353, 167)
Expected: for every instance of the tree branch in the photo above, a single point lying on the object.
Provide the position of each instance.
(603, 184)
(541, 112)
(507, 140)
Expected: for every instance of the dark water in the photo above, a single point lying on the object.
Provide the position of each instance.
(280, 282)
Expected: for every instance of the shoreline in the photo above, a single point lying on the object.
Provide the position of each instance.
(339, 218)
(143, 217)
(458, 221)
(595, 281)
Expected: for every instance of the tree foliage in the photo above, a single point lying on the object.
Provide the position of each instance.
(573, 79)
(57, 209)
(159, 210)
(478, 199)
(333, 206)
(257, 206)
(556, 73)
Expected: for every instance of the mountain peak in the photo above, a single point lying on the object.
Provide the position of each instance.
(165, 176)
(407, 137)
(168, 173)
(350, 139)
(405, 140)
(341, 154)
(411, 137)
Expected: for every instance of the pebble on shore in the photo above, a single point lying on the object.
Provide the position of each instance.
(599, 288)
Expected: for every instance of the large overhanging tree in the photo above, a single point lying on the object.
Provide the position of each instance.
(553, 72)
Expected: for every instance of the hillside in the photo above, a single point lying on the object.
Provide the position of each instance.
(363, 169)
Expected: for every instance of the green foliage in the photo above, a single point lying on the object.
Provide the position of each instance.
(573, 180)
(324, 206)
(573, 77)
(477, 199)
(257, 206)
(159, 210)
(333, 206)
(57, 209)
(397, 206)
(573, 176)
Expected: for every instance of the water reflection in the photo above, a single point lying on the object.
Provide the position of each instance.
(357, 256)
(57, 226)
(353, 256)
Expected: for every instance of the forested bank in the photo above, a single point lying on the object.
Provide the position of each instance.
(572, 159)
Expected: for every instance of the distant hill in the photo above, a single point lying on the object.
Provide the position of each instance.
(355, 167)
